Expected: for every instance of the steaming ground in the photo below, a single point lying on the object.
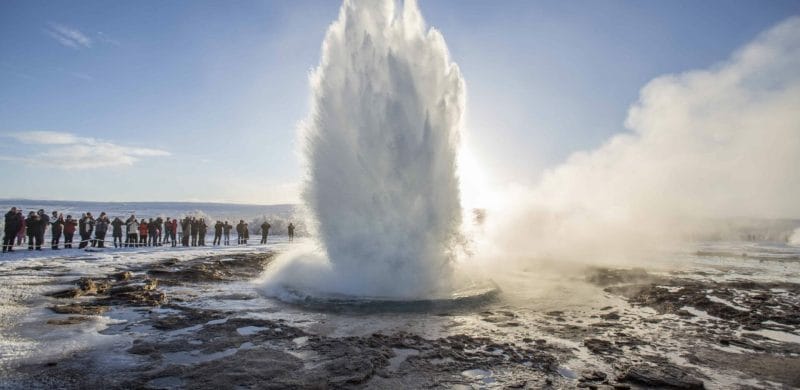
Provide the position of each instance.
(723, 314)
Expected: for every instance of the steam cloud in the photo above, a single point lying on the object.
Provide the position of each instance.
(702, 145)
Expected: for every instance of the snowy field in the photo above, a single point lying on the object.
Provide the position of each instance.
(723, 303)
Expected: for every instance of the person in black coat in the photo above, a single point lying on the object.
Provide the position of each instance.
(152, 232)
(241, 229)
(56, 230)
(265, 231)
(116, 232)
(226, 230)
(45, 221)
(202, 228)
(195, 225)
(218, 233)
(186, 231)
(12, 226)
(35, 231)
(101, 228)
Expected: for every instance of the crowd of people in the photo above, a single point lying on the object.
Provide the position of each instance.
(138, 232)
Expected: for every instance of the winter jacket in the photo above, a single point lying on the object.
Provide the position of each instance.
(12, 223)
(133, 227)
(45, 221)
(174, 226)
(202, 227)
(143, 229)
(86, 226)
(58, 226)
(152, 228)
(101, 226)
(34, 225)
(265, 228)
(69, 226)
(117, 225)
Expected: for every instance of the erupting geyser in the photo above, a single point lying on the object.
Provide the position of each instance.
(380, 146)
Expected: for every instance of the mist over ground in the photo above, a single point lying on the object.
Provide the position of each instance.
(703, 152)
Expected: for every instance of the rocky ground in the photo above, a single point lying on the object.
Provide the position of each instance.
(675, 330)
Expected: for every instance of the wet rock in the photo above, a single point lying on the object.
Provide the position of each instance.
(613, 316)
(122, 276)
(664, 375)
(593, 376)
(753, 309)
(71, 320)
(187, 317)
(77, 308)
(606, 277)
(601, 347)
(210, 269)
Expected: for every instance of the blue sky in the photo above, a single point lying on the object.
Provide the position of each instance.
(194, 100)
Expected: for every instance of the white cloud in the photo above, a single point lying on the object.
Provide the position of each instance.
(68, 36)
(68, 151)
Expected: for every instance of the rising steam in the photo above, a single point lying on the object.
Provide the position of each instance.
(702, 146)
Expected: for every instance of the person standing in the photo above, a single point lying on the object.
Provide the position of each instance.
(23, 229)
(116, 232)
(186, 230)
(167, 231)
(240, 232)
(45, 220)
(173, 232)
(290, 228)
(143, 229)
(34, 224)
(12, 227)
(264, 231)
(217, 233)
(194, 226)
(202, 228)
(101, 228)
(159, 228)
(152, 232)
(69, 231)
(226, 231)
(133, 231)
(86, 227)
(56, 230)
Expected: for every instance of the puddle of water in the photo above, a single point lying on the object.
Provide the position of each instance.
(250, 330)
(567, 373)
(484, 376)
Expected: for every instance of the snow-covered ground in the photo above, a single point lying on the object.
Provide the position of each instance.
(558, 309)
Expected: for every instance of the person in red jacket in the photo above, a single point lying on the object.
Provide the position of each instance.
(69, 230)
(143, 232)
(173, 232)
